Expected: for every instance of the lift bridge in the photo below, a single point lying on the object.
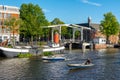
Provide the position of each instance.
(72, 40)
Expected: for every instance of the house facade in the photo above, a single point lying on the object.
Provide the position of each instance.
(5, 13)
(95, 32)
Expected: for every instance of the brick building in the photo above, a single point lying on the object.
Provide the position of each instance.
(5, 13)
(96, 33)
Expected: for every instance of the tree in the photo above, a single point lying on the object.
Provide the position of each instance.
(33, 19)
(109, 25)
(77, 34)
(57, 21)
(13, 25)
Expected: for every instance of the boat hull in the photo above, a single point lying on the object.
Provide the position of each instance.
(53, 49)
(80, 65)
(10, 52)
(53, 58)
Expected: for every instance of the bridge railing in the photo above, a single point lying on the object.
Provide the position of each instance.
(71, 40)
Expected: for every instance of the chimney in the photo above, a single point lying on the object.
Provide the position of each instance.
(89, 21)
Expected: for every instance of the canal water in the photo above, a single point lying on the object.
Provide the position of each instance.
(107, 67)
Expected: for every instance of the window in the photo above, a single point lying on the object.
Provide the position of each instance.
(5, 37)
(5, 30)
(0, 37)
(102, 40)
(13, 9)
(5, 15)
(0, 22)
(8, 15)
(0, 30)
(1, 7)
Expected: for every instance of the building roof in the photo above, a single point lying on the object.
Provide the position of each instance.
(92, 25)
(95, 26)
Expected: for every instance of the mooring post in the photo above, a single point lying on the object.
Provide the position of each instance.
(83, 47)
(91, 46)
(70, 46)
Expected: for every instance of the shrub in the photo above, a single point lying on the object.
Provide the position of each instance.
(10, 46)
(24, 55)
(47, 53)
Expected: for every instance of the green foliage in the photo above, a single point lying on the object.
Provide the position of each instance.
(10, 46)
(119, 42)
(109, 25)
(24, 55)
(69, 32)
(47, 53)
(57, 21)
(13, 25)
(64, 30)
(46, 32)
(42, 43)
(77, 34)
(33, 19)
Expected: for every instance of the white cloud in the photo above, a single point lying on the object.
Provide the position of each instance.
(46, 10)
(91, 3)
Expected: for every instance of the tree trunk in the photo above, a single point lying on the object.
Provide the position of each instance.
(13, 40)
(36, 40)
(108, 41)
(32, 40)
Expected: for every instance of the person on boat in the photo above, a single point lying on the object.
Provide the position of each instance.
(88, 61)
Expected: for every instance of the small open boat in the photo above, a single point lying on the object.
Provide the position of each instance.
(82, 65)
(53, 58)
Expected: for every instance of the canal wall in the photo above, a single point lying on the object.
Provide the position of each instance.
(99, 46)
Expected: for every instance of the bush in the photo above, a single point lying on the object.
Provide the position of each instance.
(24, 55)
(119, 42)
(10, 46)
(47, 53)
(41, 43)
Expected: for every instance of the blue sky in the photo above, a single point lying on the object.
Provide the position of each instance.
(73, 11)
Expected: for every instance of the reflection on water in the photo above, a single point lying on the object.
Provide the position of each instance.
(107, 67)
(13, 68)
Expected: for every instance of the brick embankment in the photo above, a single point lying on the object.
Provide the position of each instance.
(100, 46)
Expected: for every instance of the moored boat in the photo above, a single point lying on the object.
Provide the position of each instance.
(46, 49)
(12, 52)
(53, 58)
